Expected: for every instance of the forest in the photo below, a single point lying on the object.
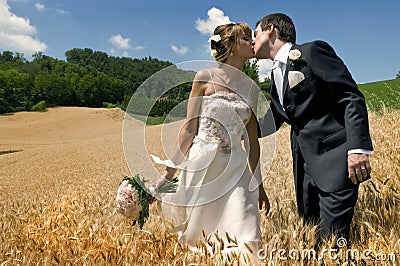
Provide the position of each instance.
(91, 79)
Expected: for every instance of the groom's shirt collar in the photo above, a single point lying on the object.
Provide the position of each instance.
(283, 53)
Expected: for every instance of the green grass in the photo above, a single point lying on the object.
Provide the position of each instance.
(382, 94)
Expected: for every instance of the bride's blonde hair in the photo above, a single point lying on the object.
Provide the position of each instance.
(230, 33)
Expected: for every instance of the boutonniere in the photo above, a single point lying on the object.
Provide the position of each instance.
(295, 56)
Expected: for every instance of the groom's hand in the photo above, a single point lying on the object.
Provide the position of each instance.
(359, 167)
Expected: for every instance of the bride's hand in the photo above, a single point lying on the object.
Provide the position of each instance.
(155, 186)
(263, 200)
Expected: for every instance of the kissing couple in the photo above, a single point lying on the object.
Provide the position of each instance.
(218, 152)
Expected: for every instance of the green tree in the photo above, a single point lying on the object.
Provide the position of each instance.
(251, 70)
(12, 82)
(265, 87)
(7, 56)
(56, 92)
(87, 91)
(4, 106)
(86, 78)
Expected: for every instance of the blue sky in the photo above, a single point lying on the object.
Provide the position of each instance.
(364, 33)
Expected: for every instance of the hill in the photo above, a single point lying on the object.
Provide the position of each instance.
(382, 94)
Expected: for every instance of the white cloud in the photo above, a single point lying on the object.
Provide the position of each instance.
(62, 12)
(121, 45)
(215, 17)
(139, 48)
(21, 43)
(16, 33)
(179, 50)
(11, 23)
(40, 7)
(119, 42)
(264, 69)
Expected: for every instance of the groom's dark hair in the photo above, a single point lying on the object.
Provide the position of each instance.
(283, 23)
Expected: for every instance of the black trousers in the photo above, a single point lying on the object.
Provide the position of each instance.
(332, 211)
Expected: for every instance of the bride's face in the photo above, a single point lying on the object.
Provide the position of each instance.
(244, 47)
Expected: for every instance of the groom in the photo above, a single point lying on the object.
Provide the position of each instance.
(313, 91)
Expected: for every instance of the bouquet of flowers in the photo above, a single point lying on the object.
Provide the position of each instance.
(133, 197)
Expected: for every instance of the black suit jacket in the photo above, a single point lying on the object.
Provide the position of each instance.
(327, 114)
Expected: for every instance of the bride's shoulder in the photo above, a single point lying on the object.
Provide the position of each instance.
(203, 75)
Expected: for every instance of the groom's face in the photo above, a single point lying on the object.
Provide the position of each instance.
(261, 43)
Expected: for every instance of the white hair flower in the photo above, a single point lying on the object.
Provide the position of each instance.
(214, 53)
(215, 38)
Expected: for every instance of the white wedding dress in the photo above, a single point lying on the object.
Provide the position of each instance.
(214, 197)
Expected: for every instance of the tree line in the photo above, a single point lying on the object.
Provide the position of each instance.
(91, 79)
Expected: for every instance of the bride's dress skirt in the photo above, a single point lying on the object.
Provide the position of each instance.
(214, 199)
(215, 202)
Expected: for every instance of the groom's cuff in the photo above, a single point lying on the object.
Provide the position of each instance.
(359, 151)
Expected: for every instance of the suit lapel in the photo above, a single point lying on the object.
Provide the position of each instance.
(289, 67)
(285, 78)
(275, 98)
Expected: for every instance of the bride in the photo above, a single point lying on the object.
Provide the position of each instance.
(218, 152)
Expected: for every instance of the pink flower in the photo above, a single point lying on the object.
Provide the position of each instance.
(133, 198)
(127, 199)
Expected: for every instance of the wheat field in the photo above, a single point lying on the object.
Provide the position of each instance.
(59, 172)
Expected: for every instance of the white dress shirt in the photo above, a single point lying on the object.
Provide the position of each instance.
(279, 64)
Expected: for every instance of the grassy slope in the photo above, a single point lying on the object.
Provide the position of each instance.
(382, 94)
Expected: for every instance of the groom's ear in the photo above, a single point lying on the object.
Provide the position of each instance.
(274, 30)
(269, 27)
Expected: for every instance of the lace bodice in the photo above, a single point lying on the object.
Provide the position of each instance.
(224, 116)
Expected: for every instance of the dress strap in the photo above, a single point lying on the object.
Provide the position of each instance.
(209, 72)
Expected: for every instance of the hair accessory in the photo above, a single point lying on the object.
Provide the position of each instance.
(214, 53)
(215, 38)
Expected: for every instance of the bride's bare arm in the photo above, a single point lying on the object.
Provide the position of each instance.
(190, 126)
(254, 159)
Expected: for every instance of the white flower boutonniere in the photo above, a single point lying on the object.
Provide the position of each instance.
(295, 55)
(215, 38)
